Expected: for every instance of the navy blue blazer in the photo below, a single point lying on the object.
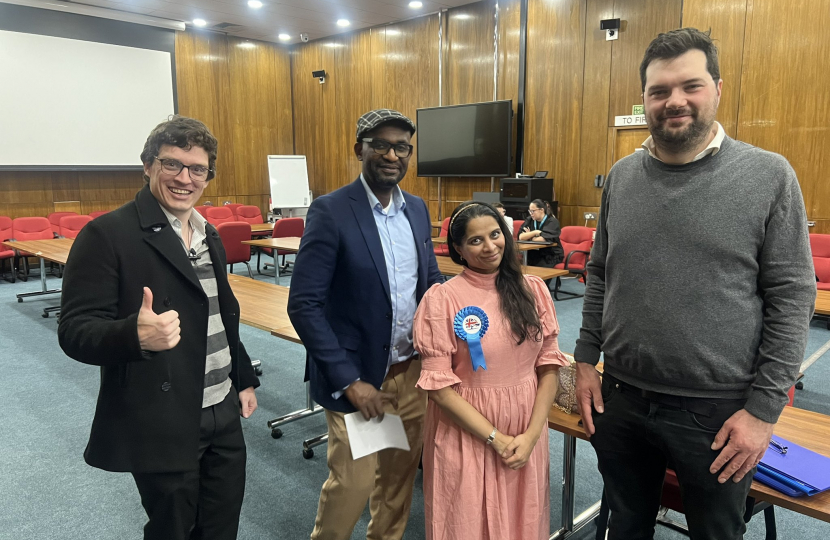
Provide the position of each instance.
(339, 302)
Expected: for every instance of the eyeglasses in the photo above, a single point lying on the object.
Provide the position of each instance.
(198, 173)
(532, 210)
(382, 147)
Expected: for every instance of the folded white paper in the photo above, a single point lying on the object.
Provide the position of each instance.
(369, 436)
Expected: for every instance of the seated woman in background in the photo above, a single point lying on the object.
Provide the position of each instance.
(489, 350)
(542, 226)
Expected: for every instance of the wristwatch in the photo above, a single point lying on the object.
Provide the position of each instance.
(492, 436)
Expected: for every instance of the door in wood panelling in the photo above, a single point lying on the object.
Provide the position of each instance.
(555, 64)
(641, 22)
(626, 141)
(727, 21)
(785, 102)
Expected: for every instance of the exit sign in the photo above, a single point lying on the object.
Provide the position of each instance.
(637, 109)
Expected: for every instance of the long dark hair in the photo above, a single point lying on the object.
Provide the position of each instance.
(539, 203)
(516, 301)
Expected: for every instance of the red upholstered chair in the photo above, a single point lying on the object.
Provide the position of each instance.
(252, 215)
(441, 250)
(72, 225)
(5, 253)
(283, 228)
(55, 220)
(232, 234)
(820, 246)
(30, 228)
(94, 215)
(202, 210)
(576, 243)
(233, 207)
(218, 214)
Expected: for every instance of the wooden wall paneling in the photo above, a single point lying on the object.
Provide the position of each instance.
(377, 67)
(509, 27)
(785, 105)
(331, 152)
(109, 186)
(308, 102)
(469, 71)
(98, 206)
(259, 77)
(412, 79)
(727, 21)
(569, 215)
(68, 206)
(822, 226)
(554, 92)
(642, 21)
(354, 64)
(203, 86)
(65, 186)
(596, 95)
(580, 215)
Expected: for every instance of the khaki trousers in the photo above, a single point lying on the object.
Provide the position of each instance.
(385, 478)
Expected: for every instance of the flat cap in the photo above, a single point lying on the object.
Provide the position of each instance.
(373, 119)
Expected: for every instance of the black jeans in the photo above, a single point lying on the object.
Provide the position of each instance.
(637, 438)
(205, 503)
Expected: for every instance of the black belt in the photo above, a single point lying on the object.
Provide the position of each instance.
(702, 406)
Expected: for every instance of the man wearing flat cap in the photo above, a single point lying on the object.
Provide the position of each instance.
(365, 261)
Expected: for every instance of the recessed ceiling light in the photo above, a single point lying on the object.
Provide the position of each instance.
(462, 16)
(199, 22)
(343, 22)
(416, 4)
(256, 4)
(247, 45)
(284, 37)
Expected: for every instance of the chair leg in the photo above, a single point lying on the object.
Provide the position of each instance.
(557, 290)
(250, 275)
(769, 521)
(230, 269)
(258, 253)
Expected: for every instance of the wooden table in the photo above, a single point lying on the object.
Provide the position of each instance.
(823, 305)
(55, 250)
(265, 306)
(449, 268)
(806, 428)
(288, 243)
(436, 224)
(262, 227)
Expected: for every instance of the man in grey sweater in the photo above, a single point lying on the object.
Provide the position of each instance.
(700, 293)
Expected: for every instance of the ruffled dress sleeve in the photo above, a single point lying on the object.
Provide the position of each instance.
(435, 340)
(549, 353)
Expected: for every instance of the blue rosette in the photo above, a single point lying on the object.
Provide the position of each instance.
(471, 324)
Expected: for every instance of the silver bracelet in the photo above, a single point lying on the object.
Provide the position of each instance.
(492, 436)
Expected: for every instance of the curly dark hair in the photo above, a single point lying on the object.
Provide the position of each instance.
(669, 45)
(516, 301)
(185, 133)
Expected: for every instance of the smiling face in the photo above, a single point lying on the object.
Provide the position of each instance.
(177, 193)
(384, 171)
(483, 245)
(681, 100)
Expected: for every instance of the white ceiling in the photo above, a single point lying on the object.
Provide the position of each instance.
(318, 18)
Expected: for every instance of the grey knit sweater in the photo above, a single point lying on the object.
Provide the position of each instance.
(701, 280)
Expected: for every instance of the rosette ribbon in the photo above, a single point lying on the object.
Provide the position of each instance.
(471, 324)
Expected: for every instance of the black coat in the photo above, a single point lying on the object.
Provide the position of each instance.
(149, 403)
(546, 257)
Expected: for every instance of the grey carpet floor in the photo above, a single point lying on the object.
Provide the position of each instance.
(48, 492)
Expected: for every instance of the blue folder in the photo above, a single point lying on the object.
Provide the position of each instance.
(795, 473)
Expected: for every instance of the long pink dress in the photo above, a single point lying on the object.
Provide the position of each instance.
(469, 494)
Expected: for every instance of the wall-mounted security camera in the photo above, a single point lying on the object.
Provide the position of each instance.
(304, 37)
(320, 74)
(611, 27)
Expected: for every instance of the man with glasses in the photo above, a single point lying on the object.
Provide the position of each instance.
(365, 261)
(145, 297)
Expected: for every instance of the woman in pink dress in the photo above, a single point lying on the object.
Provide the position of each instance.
(485, 440)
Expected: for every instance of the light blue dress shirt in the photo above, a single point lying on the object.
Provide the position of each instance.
(401, 258)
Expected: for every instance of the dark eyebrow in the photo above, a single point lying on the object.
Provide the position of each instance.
(684, 83)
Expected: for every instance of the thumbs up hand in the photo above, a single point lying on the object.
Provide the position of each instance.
(157, 332)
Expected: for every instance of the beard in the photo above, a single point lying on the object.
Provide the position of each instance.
(678, 140)
(380, 178)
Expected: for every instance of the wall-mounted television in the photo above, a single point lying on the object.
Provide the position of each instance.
(465, 140)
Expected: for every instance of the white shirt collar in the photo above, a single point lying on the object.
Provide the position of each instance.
(713, 148)
(197, 222)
